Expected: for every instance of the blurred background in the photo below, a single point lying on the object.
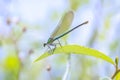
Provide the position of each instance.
(26, 24)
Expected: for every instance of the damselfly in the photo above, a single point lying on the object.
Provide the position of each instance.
(61, 29)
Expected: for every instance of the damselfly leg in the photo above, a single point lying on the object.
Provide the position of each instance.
(53, 46)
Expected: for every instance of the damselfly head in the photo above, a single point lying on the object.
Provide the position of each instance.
(44, 44)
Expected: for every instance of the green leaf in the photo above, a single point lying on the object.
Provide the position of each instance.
(76, 49)
(117, 76)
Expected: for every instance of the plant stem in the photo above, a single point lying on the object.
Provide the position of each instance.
(116, 68)
(68, 67)
(116, 72)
